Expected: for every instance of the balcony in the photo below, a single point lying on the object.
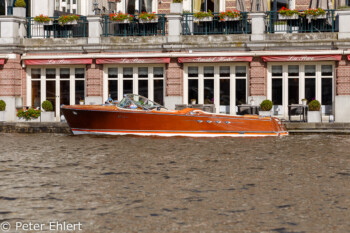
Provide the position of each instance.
(301, 24)
(193, 26)
(54, 30)
(134, 28)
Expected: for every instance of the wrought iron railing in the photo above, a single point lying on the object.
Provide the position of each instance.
(194, 26)
(54, 30)
(135, 27)
(301, 24)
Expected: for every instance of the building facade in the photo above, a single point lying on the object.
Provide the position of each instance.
(178, 60)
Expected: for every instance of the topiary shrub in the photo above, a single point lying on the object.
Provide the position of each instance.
(20, 3)
(314, 105)
(266, 105)
(47, 106)
(2, 105)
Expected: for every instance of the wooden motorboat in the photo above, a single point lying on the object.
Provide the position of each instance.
(138, 115)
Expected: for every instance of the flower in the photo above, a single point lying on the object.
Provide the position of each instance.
(42, 19)
(120, 17)
(67, 18)
(313, 12)
(230, 14)
(202, 14)
(28, 114)
(147, 16)
(288, 12)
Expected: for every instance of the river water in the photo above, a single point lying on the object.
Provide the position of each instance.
(299, 183)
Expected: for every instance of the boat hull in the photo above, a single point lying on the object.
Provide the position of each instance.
(110, 120)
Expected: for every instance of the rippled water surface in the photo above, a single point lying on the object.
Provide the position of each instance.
(147, 184)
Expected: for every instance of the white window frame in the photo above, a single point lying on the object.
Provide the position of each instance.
(216, 83)
(318, 81)
(57, 80)
(135, 79)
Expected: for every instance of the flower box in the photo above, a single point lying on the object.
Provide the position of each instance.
(226, 18)
(286, 17)
(148, 21)
(265, 113)
(314, 116)
(314, 17)
(47, 116)
(2, 115)
(204, 19)
(72, 22)
(43, 23)
(20, 119)
(125, 21)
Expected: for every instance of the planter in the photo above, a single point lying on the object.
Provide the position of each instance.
(193, 101)
(72, 22)
(81, 102)
(42, 23)
(204, 19)
(2, 115)
(176, 8)
(230, 19)
(148, 21)
(314, 116)
(285, 17)
(265, 113)
(20, 12)
(310, 17)
(304, 102)
(25, 120)
(47, 116)
(125, 21)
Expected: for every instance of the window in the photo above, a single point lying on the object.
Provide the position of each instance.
(144, 80)
(144, 5)
(206, 84)
(79, 85)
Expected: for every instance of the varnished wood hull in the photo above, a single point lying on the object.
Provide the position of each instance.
(113, 121)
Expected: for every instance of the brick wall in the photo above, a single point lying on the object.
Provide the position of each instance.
(302, 4)
(174, 78)
(12, 78)
(258, 76)
(94, 80)
(164, 7)
(343, 77)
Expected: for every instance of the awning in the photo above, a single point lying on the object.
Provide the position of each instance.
(348, 57)
(2, 61)
(58, 61)
(302, 58)
(214, 59)
(145, 60)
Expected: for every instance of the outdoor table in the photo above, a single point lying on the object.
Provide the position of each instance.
(301, 110)
(252, 109)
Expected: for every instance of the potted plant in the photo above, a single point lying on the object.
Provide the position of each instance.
(304, 101)
(68, 19)
(265, 108)
(203, 16)
(193, 101)
(20, 8)
(48, 115)
(146, 17)
(176, 7)
(2, 110)
(230, 15)
(81, 102)
(314, 14)
(314, 113)
(288, 14)
(43, 19)
(28, 115)
(121, 18)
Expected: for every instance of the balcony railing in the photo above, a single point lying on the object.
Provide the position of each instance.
(192, 26)
(55, 30)
(301, 24)
(134, 28)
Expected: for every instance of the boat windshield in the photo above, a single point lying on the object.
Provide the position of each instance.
(132, 101)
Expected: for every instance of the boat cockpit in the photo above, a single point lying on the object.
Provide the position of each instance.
(133, 101)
